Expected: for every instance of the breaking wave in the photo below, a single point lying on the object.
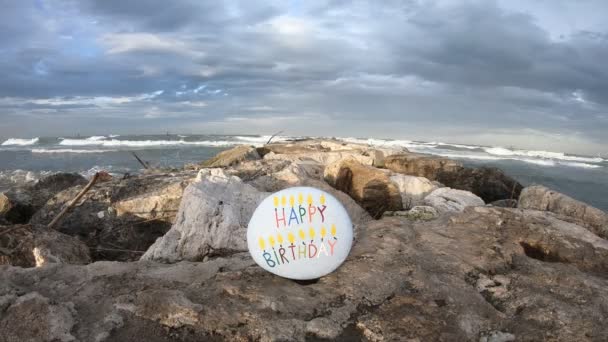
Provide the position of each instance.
(501, 151)
(142, 143)
(20, 142)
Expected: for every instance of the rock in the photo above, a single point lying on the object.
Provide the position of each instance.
(25, 246)
(33, 317)
(505, 203)
(421, 165)
(121, 218)
(489, 183)
(212, 219)
(19, 204)
(324, 158)
(419, 212)
(413, 189)
(483, 274)
(367, 185)
(232, 157)
(447, 199)
(541, 198)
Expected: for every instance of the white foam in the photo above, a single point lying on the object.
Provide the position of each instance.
(20, 142)
(261, 139)
(142, 143)
(113, 135)
(68, 150)
(501, 151)
(16, 177)
(96, 138)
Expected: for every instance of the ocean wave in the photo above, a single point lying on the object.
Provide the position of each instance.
(143, 143)
(20, 142)
(501, 151)
(261, 139)
(96, 138)
(114, 135)
(10, 178)
(541, 162)
(68, 150)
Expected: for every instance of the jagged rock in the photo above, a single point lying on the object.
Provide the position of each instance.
(212, 219)
(483, 273)
(19, 204)
(324, 158)
(489, 183)
(121, 218)
(541, 198)
(413, 189)
(419, 212)
(25, 246)
(367, 185)
(420, 165)
(447, 199)
(232, 157)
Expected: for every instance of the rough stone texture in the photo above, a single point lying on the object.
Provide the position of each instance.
(447, 199)
(121, 218)
(419, 212)
(367, 185)
(486, 274)
(232, 157)
(413, 189)
(324, 158)
(541, 198)
(489, 183)
(19, 204)
(421, 165)
(25, 246)
(212, 219)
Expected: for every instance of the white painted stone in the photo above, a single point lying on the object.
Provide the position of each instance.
(300, 233)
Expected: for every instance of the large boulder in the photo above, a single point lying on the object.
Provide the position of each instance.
(413, 189)
(449, 200)
(212, 219)
(541, 198)
(372, 188)
(489, 183)
(485, 274)
(27, 246)
(420, 165)
(20, 203)
(121, 218)
(232, 157)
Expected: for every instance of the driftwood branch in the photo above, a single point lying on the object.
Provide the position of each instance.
(67, 208)
(274, 135)
(143, 163)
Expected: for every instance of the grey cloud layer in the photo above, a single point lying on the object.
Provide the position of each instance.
(395, 69)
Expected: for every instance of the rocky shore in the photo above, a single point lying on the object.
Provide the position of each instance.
(442, 252)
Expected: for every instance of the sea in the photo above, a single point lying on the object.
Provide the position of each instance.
(24, 160)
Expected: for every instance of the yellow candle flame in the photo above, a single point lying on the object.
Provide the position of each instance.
(280, 239)
(323, 231)
(301, 234)
(291, 200)
(271, 240)
(276, 201)
(333, 229)
(283, 201)
(322, 199)
(309, 199)
(311, 232)
(300, 198)
(290, 237)
(262, 243)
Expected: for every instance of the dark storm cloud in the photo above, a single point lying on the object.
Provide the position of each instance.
(236, 65)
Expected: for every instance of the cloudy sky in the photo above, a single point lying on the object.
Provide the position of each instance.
(531, 74)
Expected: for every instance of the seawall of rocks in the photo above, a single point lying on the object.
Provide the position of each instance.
(441, 252)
